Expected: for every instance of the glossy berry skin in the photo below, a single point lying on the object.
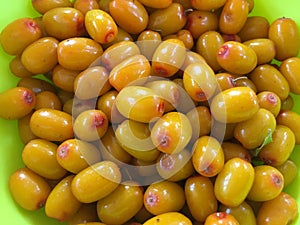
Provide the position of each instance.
(199, 81)
(39, 155)
(96, 181)
(285, 34)
(36, 188)
(171, 133)
(236, 57)
(268, 184)
(164, 196)
(280, 210)
(129, 15)
(234, 105)
(281, 147)
(252, 132)
(122, 204)
(208, 156)
(237, 176)
(243, 213)
(169, 218)
(51, 124)
(78, 53)
(64, 22)
(18, 34)
(75, 155)
(219, 218)
(59, 197)
(100, 26)
(139, 103)
(90, 125)
(168, 57)
(200, 197)
(18, 102)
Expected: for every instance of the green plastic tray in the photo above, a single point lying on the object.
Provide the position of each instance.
(10, 143)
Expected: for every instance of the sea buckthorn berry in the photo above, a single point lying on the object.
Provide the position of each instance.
(78, 53)
(267, 78)
(40, 156)
(91, 83)
(199, 22)
(90, 125)
(64, 22)
(290, 119)
(270, 101)
(17, 68)
(254, 27)
(208, 45)
(289, 170)
(106, 103)
(36, 85)
(280, 210)
(25, 132)
(64, 78)
(234, 182)
(129, 15)
(75, 155)
(43, 6)
(36, 188)
(281, 147)
(236, 57)
(16, 103)
(134, 138)
(285, 34)
(60, 196)
(139, 103)
(169, 218)
(164, 196)
(122, 204)
(225, 80)
(199, 81)
(267, 185)
(172, 132)
(85, 5)
(208, 156)
(96, 181)
(221, 218)
(170, 92)
(252, 132)
(167, 20)
(289, 69)
(207, 5)
(100, 26)
(175, 167)
(157, 4)
(51, 124)
(112, 150)
(200, 197)
(47, 99)
(233, 16)
(18, 34)
(264, 49)
(85, 215)
(234, 105)
(232, 150)
(201, 121)
(112, 57)
(148, 40)
(134, 68)
(244, 81)
(168, 57)
(243, 213)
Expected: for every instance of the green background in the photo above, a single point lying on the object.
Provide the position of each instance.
(11, 146)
